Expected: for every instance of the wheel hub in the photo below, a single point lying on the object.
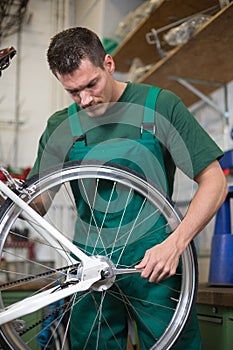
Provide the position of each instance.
(107, 273)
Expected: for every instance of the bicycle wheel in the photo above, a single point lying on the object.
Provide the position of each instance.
(117, 214)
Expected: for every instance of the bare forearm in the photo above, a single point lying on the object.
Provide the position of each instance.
(161, 260)
(211, 193)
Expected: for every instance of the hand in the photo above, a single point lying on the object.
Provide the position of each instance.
(160, 261)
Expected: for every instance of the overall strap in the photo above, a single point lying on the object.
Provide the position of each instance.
(149, 110)
(75, 125)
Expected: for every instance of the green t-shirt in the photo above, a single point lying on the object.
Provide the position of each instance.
(184, 143)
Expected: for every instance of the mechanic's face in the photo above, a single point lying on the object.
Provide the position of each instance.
(91, 87)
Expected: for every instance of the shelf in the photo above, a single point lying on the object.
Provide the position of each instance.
(167, 12)
(210, 295)
(206, 57)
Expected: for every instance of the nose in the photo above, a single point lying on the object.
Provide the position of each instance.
(86, 98)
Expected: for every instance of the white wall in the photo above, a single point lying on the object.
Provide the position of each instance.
(114, 11)
(29, 75)
(29, 93)
(103, 16)
(89, 13)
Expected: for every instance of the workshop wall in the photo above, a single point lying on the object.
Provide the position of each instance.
(26, 88)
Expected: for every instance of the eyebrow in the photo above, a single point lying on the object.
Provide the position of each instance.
(82, 88)
(72, 90)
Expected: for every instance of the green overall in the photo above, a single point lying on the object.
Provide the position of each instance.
(141, 151)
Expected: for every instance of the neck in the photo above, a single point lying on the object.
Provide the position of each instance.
(119, 88)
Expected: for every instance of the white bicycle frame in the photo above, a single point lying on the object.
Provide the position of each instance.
(91, 266)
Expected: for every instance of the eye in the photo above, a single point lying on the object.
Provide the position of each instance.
(74, 93)
(92, 84)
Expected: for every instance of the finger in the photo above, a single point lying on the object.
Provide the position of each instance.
(142, 264)
(157, 277)
(163, 274)
(152, 269)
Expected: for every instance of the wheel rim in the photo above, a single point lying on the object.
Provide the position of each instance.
(155, 198)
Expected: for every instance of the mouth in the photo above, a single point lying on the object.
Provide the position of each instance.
(95, 109)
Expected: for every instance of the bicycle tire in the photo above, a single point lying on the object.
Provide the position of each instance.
(122, 179)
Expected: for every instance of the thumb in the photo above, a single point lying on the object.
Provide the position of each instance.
(142, 264)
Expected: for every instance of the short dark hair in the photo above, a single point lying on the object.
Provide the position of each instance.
(68, 48)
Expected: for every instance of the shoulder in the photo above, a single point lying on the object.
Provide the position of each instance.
(140, 87)
(136, 93)
(167, 99)
(57, 128)
(170, 106)
(57, 118)
(164, 96)
(58, 122)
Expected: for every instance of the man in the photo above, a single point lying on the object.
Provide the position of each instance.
(105, 112)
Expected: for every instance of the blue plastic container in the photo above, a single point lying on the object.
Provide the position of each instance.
(221, 258)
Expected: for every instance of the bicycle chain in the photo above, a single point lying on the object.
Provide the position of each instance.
(55, 311)
(4, 286)
(30, 278)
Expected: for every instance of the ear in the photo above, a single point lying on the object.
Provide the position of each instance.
(109, 64)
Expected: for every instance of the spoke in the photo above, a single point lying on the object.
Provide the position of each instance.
(51, 242)
(126, 299)
(148, 234)
(105, 214)
(92, 206)
(93, 217)
(122, 296)
(140, 312)
(49, 319)
(66, 189)
(100, 319)
(130, 233)
(100, 315)
(67, 328)
(97, 317)
(120, 224)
